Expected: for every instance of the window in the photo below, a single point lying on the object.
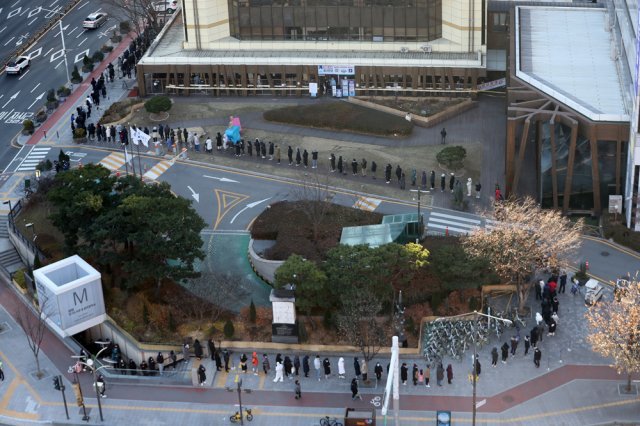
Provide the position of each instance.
(499, 22)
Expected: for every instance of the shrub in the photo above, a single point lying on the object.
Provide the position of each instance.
(41, 116)
(64, 91)
(252, 312)
(145, 314)
(581, 274)
(87, 60)
(171, 323)
(158, 104)
(19, 279)
(228, 330)
(79, 133)
(75, 75)
(98, 56)
(125, 27)
(343, 116)
(51, 96)
(452, 157)
(27, 126)
(106, 48)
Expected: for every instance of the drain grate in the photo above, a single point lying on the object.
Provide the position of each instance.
(605, 254)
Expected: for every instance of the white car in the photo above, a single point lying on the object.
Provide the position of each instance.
(18, 65)
(95, 20)
(594, 292)
(168, 6)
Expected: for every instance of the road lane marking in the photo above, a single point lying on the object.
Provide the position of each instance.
(156, 171)
(33, 20)
(23, 74)
(226, 201)
(32, 90)
(4, 28)
(83, 40)
(9, 41)
(113, 161)
(367, 204)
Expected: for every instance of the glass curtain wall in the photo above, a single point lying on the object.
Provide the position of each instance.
(331, 20)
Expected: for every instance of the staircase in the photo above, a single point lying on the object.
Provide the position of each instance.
(9, 257)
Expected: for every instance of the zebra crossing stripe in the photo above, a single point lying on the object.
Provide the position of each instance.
(367, 204)
(113, 161)
(456, 218)
(157, 170)
(35, 156)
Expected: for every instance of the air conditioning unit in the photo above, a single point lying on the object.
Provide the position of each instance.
(426, 48)
(404, 49)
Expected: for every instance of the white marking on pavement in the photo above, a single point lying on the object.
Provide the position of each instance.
(72, 31)
(25, 11)
(83, 40)
(12, 98)
(194, 194)
(249, 206)
(14, 5)
(33, 20)
(59, 63)
(9, 41)
(83, 5)
(14, 12)
(51, 5)
(81, 33)
(80, 56)
(220, 179)
(451, 228)
(453, 217)
(35, 53)
(23, 74)
(37, 99)
(50, 49)
(5, 27)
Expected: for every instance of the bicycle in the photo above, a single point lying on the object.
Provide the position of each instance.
(237, 416)
(327, 421)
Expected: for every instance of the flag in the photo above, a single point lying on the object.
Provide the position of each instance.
(143, 137)
(127, 157)
(133, 131)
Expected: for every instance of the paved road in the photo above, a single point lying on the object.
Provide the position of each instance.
(21, 96)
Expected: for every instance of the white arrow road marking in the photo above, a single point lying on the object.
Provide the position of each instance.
(11, 98)
(195, 195)
(249, 206)
(37, 99)
(220, 179)
(80, 56)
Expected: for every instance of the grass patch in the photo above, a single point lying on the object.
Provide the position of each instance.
(342, 116)
(423, 107)
(118, 110)
(286, 223)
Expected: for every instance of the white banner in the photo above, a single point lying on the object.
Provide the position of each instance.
(336, 70)
(490, 85)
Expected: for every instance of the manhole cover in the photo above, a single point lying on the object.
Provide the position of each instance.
(604, 254)
(507, 398)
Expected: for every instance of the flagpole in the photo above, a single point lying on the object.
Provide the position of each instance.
(126, 163)
(139, 162)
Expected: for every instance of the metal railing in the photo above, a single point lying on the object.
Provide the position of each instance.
(13, 213)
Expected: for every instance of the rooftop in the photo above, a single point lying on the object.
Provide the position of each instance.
(566, 53)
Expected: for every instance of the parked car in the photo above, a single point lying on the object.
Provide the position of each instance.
(18, 65)
(595, 290)
(168, 6)
(95, 20)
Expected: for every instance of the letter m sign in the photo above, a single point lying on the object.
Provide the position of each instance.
(83, 297)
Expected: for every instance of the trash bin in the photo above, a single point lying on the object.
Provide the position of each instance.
(360, 417)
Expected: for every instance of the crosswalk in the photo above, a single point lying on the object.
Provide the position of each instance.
(452, 224)
(113, 161)
(35, 156)
(367, 204)
(156, 171)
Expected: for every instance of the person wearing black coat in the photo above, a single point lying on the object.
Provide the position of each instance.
(218, 141)
(298, 157)
(534, 336)
(305, 365)
(289, 154)
(537, 355)
(197, 349)
(354, 390)
(387, 173)
(354, 166)
(287, 366)
(305, 158)
(250, 148)
(452, 181)
(398, 172)
(374, 169)
(432, 180)
(443, 182)
(494, 356)
(296, 364)
(263, 149)
(332, 161)
(218, 361)
(356, 367)
(378, 370)
(505, 352)
(256, 145)
(271, 150)
(404, 373)
(423, 180)
(327, 368)
(340, 164)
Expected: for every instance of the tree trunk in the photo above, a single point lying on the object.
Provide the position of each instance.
(628, 382)
(523, 293)
(38, 374)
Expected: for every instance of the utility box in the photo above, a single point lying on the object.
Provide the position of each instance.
(360, 417)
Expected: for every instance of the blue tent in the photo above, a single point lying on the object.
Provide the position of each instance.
(233, 134)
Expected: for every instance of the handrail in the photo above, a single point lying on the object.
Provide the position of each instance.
(13, 213)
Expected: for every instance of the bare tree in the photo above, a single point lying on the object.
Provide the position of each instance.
(315, 200)
(138, 12)
(34, 326)
(358, 323)
(216, 290)
(522, 239)
(615, 330)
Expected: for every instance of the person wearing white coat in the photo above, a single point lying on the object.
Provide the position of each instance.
(341, 370)
(279, 372)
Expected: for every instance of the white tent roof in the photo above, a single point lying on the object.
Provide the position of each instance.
(566, 53)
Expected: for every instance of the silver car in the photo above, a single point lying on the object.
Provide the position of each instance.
(95, 20)
(595, 290)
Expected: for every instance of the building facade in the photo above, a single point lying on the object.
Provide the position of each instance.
(251, 47)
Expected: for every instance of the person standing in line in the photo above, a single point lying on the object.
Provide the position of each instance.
(414, 177)
(440, 374)
(289, 155)
(404, 373)
(278, 154)
(196, 142)
(374, 169)
(378, 370)
(209, 145)
(356, 367)
(202, 376)
(443, 133)
(469, 184)
(297, 390)
(243, 363)
(363, 167)
(387, 173)
(218, 361)
(327, 368)
(271, 150)
(398, 172)
(402, 181)
(341, 369)
(452, 181)
(254, 363)
(420, 376)
(354, 166)
(263, 149)
(478, 367)
(218, 140)
(443, 182)
(414, 374)
(537, 355)
(494, 356)
(478, 188)
(305, 158)
(449, 373)
(340, 168)
(279, 372)
(514, 345)
(354, 390)
(332, 163)
(364, 369)
(314, 159)
(212, 348)
(534, 336)
(160, 363)
(563, 281)
(296, 365)
(423, 180)
(432, 180)
(505, 352)
(427, 376)
(287, 366)
(527, 344)
(298, 157)
(265, 364)
(305, 365)
(317, 365)
(250, 148)
(225, 356)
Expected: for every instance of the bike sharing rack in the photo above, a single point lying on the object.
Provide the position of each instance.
(360, 417)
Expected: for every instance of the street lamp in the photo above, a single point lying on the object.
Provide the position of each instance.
(420, 220)
(90, 363)
(64, 49)
(475, 350)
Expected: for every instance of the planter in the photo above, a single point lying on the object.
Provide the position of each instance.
(80, 140)
(17, 286)
(41, 117)
(52, 104)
